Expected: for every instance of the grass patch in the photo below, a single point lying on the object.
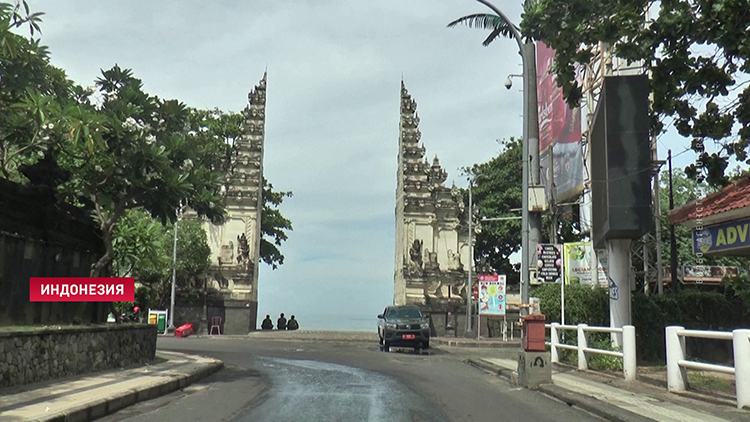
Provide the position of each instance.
(710, 384)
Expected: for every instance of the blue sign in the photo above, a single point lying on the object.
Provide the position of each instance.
(722, 237)
(614, 291)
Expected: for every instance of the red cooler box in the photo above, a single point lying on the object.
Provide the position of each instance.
(185, 330)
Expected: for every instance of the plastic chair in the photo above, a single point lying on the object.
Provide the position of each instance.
(216, 323)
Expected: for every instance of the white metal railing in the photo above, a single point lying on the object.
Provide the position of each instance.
(628, 354)
(678, 364)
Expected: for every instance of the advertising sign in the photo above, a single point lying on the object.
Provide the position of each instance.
(699, 274)
(549, 263)
(560, 132)
(491, 294)
(721, 237)
(578, 260)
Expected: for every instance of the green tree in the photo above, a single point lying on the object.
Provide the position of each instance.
(132, 151)
(497, 194)
(144, 247)
(697, 53)
(33, 93)
(494, 23)
(273, 226)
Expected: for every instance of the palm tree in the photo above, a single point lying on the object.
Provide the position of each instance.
(495, 23)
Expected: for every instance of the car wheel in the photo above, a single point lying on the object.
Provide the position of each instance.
(426, 344)
(386, 347)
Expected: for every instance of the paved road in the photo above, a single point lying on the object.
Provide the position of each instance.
(289, 381)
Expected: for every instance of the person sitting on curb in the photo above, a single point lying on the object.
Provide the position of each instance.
(292, 324)
(281, 322)
(267, 324)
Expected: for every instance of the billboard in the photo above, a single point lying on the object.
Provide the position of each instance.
(721, 237)
(700, 274)
(491, 294)
(559, 132)
(577, 262)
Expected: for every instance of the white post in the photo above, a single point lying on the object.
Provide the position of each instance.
(629, 363)
(741, 345)
(583, 343)
(618, 260)
(174, 272)
(554, 341)
(562, 298)
(676, 374)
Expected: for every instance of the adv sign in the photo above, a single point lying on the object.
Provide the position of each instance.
(722, 237)
(491, 294)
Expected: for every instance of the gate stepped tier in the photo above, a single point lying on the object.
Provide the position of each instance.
(235, 245)
(432, 248)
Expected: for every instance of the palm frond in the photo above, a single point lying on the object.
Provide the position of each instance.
(495, 23)
(478, 20)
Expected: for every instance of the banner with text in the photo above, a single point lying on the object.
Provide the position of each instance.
(560, 132)
(491, 294)
(81, 289)
(549, 263)
(578, 260)
(722, 237)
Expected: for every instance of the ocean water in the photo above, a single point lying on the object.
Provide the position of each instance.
(337, 322)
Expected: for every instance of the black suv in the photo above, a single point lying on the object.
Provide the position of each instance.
(403, 326)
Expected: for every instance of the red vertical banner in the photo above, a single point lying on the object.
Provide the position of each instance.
(559, 131)
(547, 91)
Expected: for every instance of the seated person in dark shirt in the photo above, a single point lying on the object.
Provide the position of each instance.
(292, 324)
(281, 322)
(267, 323)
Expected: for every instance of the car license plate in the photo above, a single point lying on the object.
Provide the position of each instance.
(408, 337)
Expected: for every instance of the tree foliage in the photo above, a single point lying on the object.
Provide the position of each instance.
(497, 193)
(697, 53)
(494, 23)
(143, 249)
(130, 158)
(273, 226)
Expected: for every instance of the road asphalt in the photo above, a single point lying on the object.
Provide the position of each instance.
(273, 380)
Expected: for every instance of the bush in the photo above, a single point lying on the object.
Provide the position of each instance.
(690, 308)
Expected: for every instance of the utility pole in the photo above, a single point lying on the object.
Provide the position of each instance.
(672, 238)
(470, 291)
(552, 204)
(532, 222)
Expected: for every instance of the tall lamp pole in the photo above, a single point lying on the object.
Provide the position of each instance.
(174, 272)
(531, 222)
(470, 291)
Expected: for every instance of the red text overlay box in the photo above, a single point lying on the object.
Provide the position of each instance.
(82, 289)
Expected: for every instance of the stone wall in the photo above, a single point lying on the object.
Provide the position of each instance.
(40, 237)
(41, 355)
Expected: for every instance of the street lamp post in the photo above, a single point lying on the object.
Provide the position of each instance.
(174, 272)
(470, 292)
(531, 222)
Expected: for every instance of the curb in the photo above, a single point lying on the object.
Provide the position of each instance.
(475, 345)
(605, 410)
(103, 407)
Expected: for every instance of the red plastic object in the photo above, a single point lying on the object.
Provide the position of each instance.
(534, 333)
(184, 330)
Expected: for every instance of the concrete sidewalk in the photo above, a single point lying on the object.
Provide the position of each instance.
(618, 400)
(92, 396)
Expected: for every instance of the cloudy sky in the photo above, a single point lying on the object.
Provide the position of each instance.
(334, 73)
